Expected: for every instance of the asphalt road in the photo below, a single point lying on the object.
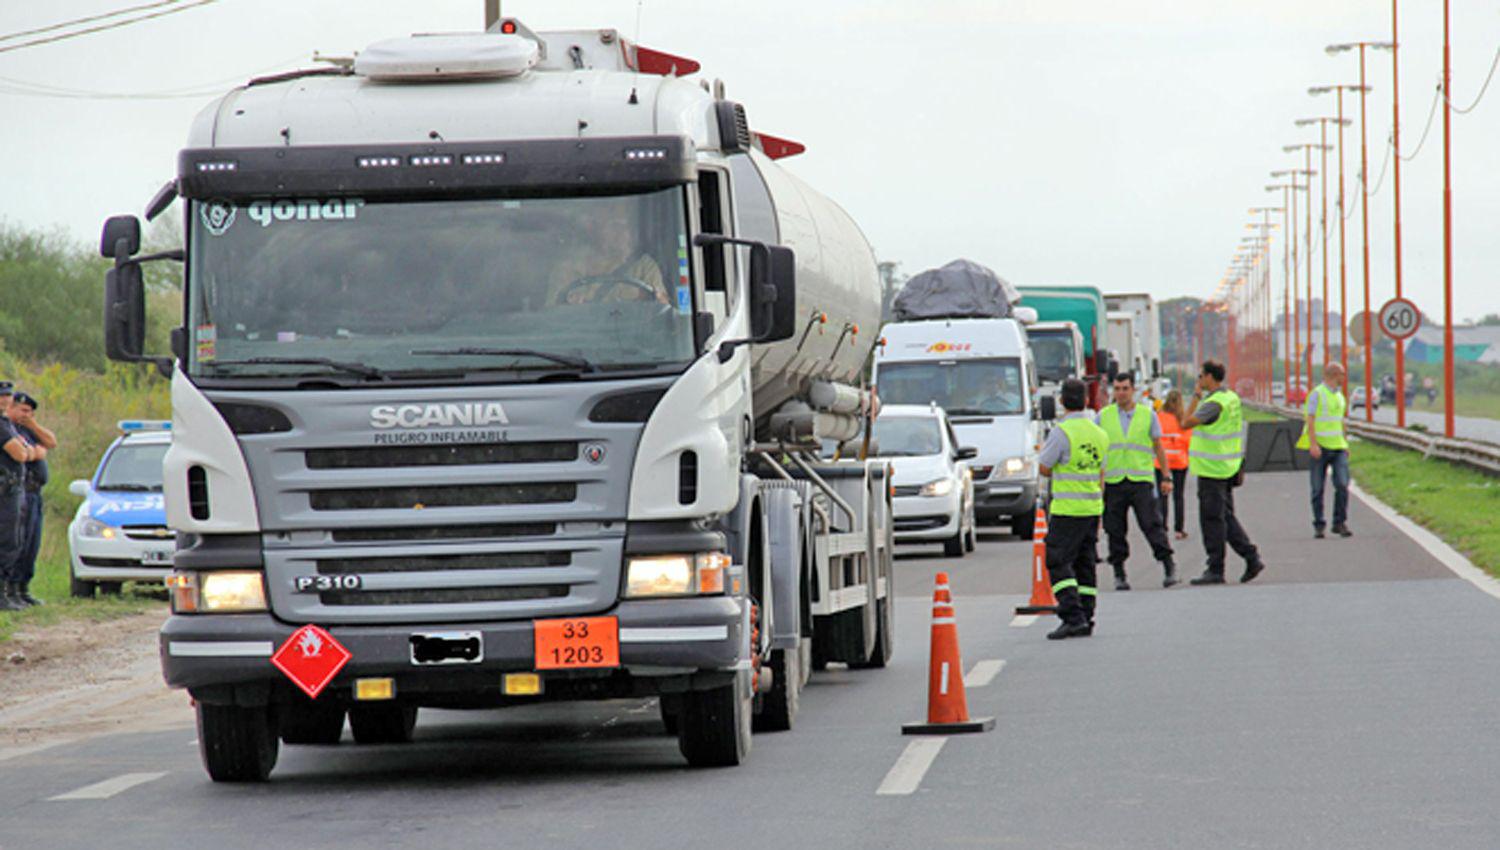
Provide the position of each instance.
(1344, 699)
(1431, 415)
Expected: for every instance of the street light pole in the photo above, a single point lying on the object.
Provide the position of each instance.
(1447, 230)
(1286, 281)
(1323, 148)
(1307, 149)
(1343, 223)
(1395, 48)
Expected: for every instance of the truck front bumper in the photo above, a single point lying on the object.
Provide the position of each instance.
(666, 645)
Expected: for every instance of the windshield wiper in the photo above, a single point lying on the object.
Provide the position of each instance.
(562, 359)
(967, 411)
(359, 369)
(128, 488)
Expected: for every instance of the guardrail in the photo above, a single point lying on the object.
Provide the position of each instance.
(1479, 455)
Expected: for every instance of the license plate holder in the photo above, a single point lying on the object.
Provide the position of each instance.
(157, 558)
(431, 648)
(577, 643)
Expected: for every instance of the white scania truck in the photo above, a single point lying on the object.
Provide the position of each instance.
(505, 361)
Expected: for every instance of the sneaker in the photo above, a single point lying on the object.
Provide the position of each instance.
(1318, 533)
(1208, 578)
(1252, 570)
(1342, 530)
(1069, 630)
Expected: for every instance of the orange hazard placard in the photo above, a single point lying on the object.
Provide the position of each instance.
(576, 643)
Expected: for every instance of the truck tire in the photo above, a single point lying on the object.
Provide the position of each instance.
(779, 705)
(238, 743)
(714, 727)
(885, 624)
(80, 589)
(385, 723)
(671, 710)
(312, 722)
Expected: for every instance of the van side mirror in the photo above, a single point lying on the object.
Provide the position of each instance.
(1047, 407)
(121, 238)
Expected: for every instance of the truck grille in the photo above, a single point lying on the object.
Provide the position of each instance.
(387, 457)
(469, 495)
(442, 595)
(443, 563)
(426, 533)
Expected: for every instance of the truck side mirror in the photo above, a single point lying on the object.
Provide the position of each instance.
(126, 228)
(1048, 408)
(773, 293)
(124, 312)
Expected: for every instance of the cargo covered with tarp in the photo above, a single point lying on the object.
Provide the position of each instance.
(962, 289)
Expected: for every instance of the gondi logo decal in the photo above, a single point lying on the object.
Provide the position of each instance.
(265, 213)
(217, 215)
(948, 347)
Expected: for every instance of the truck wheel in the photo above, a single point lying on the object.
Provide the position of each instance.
(953, 547)
(714, 728)
(387, 723)
(779, 705)
(671, 711)
(1024, 524)
(885, 624)
(238, 743)
(80, 589)
(311, 722)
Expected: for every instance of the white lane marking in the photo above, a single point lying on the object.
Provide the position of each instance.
(984, 672)
(906, 774)
(1445, 554)
(109, 787)
(1021, 621)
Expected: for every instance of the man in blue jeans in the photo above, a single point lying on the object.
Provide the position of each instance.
(1328, 448)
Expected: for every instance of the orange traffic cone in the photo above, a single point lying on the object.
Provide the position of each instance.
(947, 707)
(1042, 600)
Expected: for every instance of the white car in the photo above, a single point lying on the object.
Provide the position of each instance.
(934, 490)
(120, 531)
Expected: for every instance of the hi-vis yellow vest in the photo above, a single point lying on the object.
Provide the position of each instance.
(1328, 420)
(1075, 484)
(1130, 455)
(1217, 450)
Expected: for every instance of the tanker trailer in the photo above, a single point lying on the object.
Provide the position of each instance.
(505, 364)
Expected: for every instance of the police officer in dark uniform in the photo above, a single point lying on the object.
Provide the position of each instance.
(1073, 457)
(23, 409)
(14, 453)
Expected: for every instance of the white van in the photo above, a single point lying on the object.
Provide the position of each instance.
(982, 373)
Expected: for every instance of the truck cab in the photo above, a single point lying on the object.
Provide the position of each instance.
(1057, 348)
(982, 372)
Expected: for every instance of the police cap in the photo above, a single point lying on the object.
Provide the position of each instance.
(26, 399)
(6, 387)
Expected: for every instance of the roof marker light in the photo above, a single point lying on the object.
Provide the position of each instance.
(646, 153)
(484, 159)
(379, 161)
(432, 159)
(217, 166)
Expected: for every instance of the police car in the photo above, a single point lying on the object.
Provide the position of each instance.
(120, 531)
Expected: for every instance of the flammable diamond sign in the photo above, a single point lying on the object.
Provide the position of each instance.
(311, 658)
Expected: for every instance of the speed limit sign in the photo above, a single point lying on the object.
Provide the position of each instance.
(1399, 318)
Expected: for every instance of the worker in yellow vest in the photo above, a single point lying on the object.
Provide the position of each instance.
(1073, 457)
(1135, 449)
(1215, 453)
(1323, 436)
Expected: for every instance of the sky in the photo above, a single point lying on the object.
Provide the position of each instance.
(1119, 143)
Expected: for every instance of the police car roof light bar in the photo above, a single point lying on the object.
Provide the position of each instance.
(134, 425)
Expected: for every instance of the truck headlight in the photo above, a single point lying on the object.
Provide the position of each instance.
(96, 530)
(217, 592)
(675, 575)
(940, 487)
(1016, 467)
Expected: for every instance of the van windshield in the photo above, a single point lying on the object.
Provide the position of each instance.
(979, 387)
(1053, 351)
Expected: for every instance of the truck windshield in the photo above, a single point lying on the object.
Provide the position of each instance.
(979, 387)
(1053, 351)
(295, 287)
(133, 468)
(907, 436)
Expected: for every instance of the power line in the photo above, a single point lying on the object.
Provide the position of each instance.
(1470, 108)
(26, 88)
(88, 20)
(102, 27)
(1436, 96)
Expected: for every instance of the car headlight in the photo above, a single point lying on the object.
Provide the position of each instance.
(1015, 467)
(940, 487)
(698, 574)
(96, 530)
(217, 592)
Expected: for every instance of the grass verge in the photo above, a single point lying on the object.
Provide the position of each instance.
(1454, 502)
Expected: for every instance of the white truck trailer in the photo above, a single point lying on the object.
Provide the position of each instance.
(504, 364)
(1145, 323)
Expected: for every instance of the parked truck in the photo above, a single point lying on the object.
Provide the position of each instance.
(1145, 322)
(1083, 306)
(503, 370)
